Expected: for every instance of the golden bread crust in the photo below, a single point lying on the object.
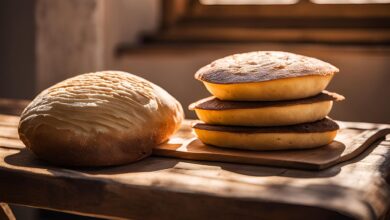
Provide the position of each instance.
(99, 119)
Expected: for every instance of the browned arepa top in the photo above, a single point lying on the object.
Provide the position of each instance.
(323, 125)
(213, 103)
(262, 66)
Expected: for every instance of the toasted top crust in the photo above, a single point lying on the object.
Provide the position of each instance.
(213, 103)
(262, 66)
(323, 125)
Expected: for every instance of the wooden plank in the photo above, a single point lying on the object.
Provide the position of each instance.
(9, 136)
(6, 212)
(9, 120)
(177, 189)
(10, 132)
(11, 143)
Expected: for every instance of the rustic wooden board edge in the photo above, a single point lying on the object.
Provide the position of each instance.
(375, 135)
(378, 135)
(228, 159)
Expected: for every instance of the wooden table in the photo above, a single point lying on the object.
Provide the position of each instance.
(166, 188)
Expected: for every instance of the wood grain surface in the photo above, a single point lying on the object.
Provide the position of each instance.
(350, 142)
(171, 188)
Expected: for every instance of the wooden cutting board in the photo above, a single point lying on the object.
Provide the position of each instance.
(352, 140)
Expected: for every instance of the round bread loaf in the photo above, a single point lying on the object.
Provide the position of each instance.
(99, 119)
(301, 136)
(266, 76)
(264, 113)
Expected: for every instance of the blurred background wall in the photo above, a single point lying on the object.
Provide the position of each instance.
(46, 41)
(17, 49)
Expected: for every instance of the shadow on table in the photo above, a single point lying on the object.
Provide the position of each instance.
(25, 158)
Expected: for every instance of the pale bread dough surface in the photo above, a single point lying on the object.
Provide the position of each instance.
(101, 111)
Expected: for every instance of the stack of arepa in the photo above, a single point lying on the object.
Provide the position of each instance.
(266, 100)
